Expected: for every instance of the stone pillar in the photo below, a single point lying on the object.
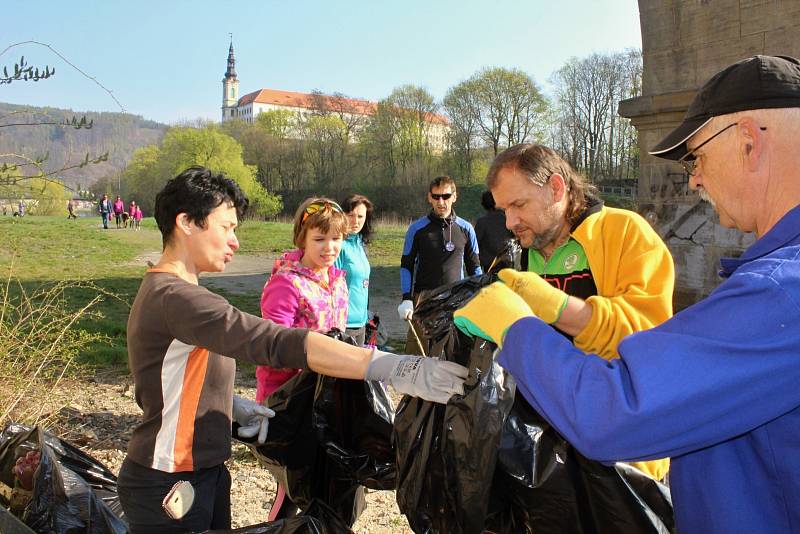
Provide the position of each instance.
(684, 43)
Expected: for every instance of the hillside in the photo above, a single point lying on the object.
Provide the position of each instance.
(119, 134)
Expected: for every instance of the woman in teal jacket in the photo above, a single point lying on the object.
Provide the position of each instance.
(353, 259)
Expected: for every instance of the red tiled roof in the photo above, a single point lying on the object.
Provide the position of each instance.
(307, 100)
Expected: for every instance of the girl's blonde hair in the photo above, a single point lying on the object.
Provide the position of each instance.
(321, 213)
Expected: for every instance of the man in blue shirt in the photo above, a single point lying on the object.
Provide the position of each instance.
(439, 248)
(715, 387)
(105, 209)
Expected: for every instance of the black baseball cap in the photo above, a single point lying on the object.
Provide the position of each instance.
(759, 82)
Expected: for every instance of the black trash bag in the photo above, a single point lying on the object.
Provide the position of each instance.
(296, 459)
(538, 483)
(318, 519)
(11, 524)
(353, 420)
(543, 484)
(329, 438)
(72, 492)
(361, 445)
(509, 257)
(446, 454)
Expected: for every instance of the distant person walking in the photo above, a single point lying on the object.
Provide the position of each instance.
(71, 210)
(492, 234)
(137, 218)
(21, 208)
(132, 214)
(353, 260)
(106, 208)
(119, 207)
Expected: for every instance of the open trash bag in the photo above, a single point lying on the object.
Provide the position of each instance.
(487, 461)
(72, 492)
(329, 439)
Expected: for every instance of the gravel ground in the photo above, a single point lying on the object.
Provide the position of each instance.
(103, 413)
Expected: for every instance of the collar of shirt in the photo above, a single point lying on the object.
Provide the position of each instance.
(784, 232)
(444, 221)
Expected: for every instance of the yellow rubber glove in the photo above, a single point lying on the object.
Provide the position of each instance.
(491, 312)
(546, 301)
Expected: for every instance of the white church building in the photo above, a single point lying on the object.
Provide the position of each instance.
(250, 105)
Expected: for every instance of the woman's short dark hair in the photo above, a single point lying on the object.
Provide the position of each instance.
(353, 201)
(196, 192)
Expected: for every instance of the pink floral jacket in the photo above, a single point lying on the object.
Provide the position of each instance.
(296, 296)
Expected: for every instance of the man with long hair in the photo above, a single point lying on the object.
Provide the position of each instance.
(595, 273)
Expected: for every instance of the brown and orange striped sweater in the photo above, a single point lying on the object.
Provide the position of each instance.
(178, 333)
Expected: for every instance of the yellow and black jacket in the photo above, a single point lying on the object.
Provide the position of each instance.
(633, 277)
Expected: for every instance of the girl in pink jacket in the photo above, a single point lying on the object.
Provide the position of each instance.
(305, 289)
(137, 217)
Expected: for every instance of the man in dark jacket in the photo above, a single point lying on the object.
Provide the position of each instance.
(439, 248)
(492, 234)
(105, 209)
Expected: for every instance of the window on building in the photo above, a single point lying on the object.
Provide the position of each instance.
(231, 92)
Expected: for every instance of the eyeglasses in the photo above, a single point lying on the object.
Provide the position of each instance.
(315, 207)
(689, 161)
(441, 196)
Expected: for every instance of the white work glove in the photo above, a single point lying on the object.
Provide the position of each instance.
(253, 418)
(406, 310)
(418, 376)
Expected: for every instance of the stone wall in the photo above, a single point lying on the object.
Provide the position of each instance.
(684, 43)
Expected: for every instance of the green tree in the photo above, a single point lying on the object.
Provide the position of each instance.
(272, 146)
(595, 139)
(142, 178)
(461, 105)
(396, 137)
(183, 147)
(413, 108)
(379, 144)
(277, 123)
(326, 146)
(509, 107)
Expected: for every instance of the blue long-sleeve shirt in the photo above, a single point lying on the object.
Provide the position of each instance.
(717, 388)
(353, 260)
(429, 262)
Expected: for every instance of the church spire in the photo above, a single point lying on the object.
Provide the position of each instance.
(230, 88)
(231, 72)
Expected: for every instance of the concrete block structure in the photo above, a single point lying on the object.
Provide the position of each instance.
(684, 43)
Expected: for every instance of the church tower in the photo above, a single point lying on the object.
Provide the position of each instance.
(230, 88)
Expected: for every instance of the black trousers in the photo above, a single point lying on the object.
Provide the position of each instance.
(142, 490)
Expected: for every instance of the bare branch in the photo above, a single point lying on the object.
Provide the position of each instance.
(68, 62)
(74, 123)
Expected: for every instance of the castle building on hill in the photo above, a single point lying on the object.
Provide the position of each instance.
(351, 110)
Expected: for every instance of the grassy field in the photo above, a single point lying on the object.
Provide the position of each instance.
(40, 250)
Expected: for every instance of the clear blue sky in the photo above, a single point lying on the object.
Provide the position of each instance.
(165, 60)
